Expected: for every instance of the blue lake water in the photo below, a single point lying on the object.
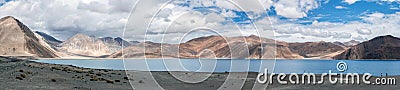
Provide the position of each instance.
(375, 67)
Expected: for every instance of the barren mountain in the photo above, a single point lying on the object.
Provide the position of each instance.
(16, 39)
(153, 50)
(351, 43)
(382, 47)
(84, 45)
(314, 49)
(49, 39)
(347, 44)
(115, 44)
(211, 47)
(133, 42)
(339, 43)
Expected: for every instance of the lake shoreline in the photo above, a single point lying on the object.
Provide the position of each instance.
(22, 74)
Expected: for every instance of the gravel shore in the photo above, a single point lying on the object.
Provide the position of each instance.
(21, 75)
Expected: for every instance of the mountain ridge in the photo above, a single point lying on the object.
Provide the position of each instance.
(16, 39)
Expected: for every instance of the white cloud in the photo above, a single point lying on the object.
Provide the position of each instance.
(340, 7)
(364, 31)
(63, 19)
(350, 1)
(341, 35)
(316, 29)
(294, 9)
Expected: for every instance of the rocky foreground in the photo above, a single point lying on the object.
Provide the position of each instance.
(22, 75)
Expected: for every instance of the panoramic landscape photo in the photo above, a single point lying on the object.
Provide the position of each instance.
(199, 44)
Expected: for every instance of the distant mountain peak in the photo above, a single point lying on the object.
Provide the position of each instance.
(81, 34)
(347, 44)
(118, 38)
(389, 36)
(7, 17)
(253, 36)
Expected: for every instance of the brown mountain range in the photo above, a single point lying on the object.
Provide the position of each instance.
(229, 47)
(16, 39)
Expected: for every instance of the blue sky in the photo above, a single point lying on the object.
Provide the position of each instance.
(292, 21)
(350, 12)
(331, 11)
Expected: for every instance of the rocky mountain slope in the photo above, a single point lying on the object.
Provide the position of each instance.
(382, 47)
(211, 47)
(16, 39)
(351, 43)
(314, 49)
(115, 44)
(84, 45)
(347, 44)
(49, 39)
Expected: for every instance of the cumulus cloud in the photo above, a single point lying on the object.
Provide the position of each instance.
(316, 29)
(364, 31)
(63, 19)
(341, 35)
(294, 9)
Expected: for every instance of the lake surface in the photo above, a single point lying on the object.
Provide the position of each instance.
(375, 67)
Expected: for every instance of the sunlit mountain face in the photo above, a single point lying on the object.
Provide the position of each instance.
(290, 21)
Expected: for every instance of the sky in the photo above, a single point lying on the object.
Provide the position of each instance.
(181, 20)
